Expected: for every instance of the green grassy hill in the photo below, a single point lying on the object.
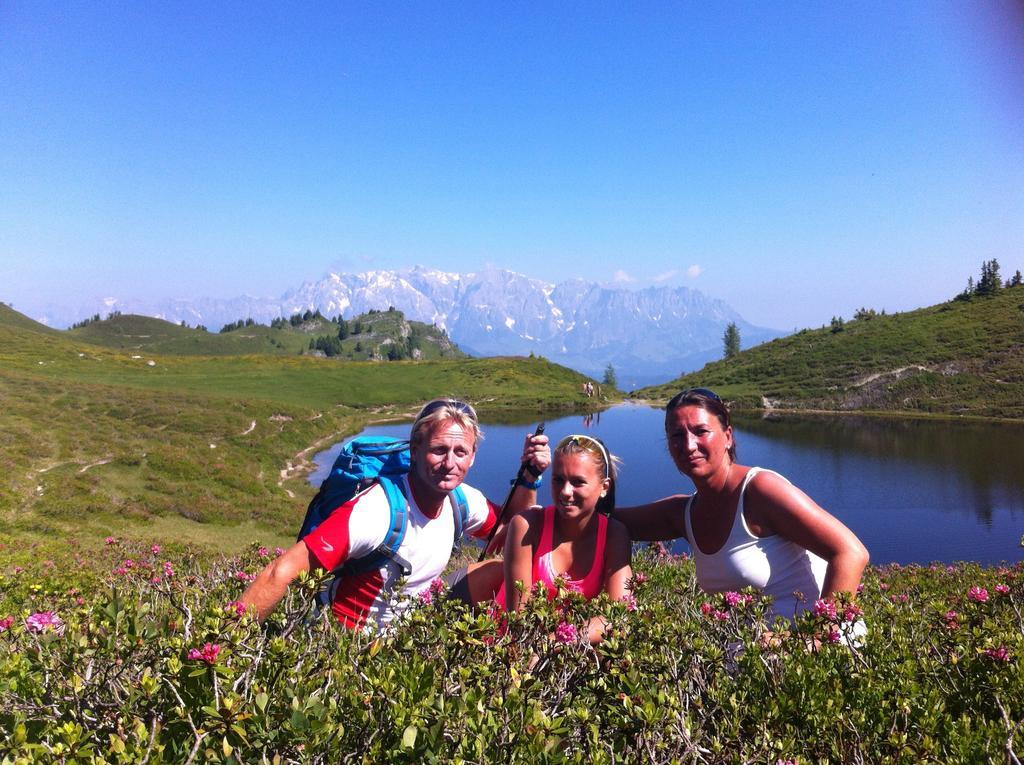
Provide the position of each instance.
(11, 318)
(203, 448)
(374, 336)
(956, 358)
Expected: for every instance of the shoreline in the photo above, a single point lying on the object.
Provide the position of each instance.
(901, 414)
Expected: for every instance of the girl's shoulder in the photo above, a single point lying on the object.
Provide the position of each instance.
(530, 520)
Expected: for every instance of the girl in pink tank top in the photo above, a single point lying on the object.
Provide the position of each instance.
(573, 541)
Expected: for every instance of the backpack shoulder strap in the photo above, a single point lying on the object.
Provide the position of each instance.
(399, 518)
(387, 550)
(460, 514)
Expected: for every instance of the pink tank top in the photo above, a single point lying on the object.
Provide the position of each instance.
(543, 571)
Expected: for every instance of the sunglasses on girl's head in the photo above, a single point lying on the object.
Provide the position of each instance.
(581, 441)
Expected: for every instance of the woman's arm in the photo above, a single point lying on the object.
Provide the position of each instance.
(781, 508)
(656, 521)
(518, 560)
(618, 552)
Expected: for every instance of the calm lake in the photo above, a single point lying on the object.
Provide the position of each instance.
(914, 491)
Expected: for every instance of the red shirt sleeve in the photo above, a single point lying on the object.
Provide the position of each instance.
(329, 542)
(483, 531)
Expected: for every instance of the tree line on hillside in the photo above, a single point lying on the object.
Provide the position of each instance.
(93, 319)
(397, 350)
(989, 283)
(331, 344)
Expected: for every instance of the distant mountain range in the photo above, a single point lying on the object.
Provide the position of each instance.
(647, 335)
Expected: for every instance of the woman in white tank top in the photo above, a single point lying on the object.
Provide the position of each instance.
(746, 526)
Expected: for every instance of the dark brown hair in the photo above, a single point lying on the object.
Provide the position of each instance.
(709, 401)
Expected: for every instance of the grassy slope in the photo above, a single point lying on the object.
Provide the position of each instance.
(953, 358)
(195, 445)
(148, 335)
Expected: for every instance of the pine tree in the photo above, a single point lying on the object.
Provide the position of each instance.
(731, 340)
(609, 376)
(990, 281)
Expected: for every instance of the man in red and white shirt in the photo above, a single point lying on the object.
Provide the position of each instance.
(443, 446)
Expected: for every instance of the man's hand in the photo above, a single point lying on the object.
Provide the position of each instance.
(536, 454)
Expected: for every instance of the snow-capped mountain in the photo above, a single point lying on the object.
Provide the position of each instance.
(649, 335)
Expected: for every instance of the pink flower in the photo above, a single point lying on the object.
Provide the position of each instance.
(950, 569)
(237, 606)
(833, 635)
(155, 549)
(682, 556)
(566, 633)
(852, 612)
(154, 579)
(18, 569)
(720, 615)
(1002, 589)
(263, 552)
(438, 586)
(786, 762)
(825, 608)
(732, 598)
(168, 569)
(998, 654)
(278, 551)
(952, 620)
(5, 623)
(427, 597)
(44, 621)
(883, 586)
(110, 541)
(706, 608)
(978, 594)
(639, 577)
(242, 576)
(630, 600)
(207, 653)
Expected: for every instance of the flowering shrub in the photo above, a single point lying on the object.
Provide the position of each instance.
(152, 666)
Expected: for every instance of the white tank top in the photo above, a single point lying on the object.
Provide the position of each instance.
(776, 566)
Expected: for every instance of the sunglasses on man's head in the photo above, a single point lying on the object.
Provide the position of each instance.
(441, 403)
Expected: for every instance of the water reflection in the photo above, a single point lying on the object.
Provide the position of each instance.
(913, 490)
(984, 460)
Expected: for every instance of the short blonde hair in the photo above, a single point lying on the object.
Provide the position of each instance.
(445, 410)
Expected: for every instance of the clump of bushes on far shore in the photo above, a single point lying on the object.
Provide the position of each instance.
(136, 655)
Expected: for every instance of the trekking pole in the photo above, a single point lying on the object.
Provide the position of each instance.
(504, 507)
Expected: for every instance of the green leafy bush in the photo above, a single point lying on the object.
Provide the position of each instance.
(139, 654)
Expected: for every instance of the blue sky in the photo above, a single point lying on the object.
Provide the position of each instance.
(797, 160)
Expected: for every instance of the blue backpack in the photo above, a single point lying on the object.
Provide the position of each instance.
(362, 462)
